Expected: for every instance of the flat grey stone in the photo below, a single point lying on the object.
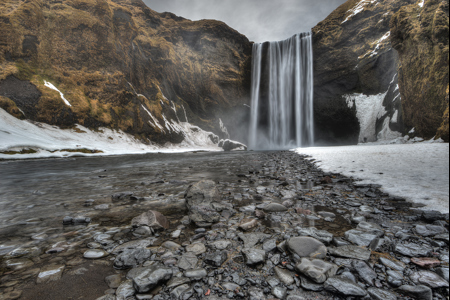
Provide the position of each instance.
(365, 272)
(320, 235)
(254, 256)
(343, 286)
(221, 245)
(201, 193)
(188, 261)
(285, 276)
(217, 258)
(197, 248)
(413, 250)
(125, 290)
(378, 294)
(395, 265)
(275, 207)
(50, 273)
(310, 285)
(95, 254)
(196, 273)
(360, 238)
(151, 277)
(317, 270)
(429, 230)
(307, 247)
(279, 292)
(350, 251)
(132, 258)
(429, 279)
(133, 245)
(252, 239)
(419, 292)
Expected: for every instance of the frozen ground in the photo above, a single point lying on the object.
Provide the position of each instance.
(51, 141)
(416, 172)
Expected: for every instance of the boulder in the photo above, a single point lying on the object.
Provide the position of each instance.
(152, 219)
(202, 193)
(228, 145)
(419, 292)
(131, 258)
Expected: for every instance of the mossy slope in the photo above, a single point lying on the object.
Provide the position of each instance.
(115, 59)
(421, 36)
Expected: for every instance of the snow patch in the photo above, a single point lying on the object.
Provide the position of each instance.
(417, 172)
(155, 121)
(368, 110)
(422, 3)
(16, 135)
(395, 117)
(358, 8)
(224, 129)
(51, 86)
(386, 133)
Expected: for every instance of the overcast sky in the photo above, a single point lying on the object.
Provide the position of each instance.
(259, 20)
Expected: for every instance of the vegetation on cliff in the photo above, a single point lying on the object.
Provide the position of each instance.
(120, 65)
(420, 34)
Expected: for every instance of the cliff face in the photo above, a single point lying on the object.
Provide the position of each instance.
(356, 92)
(420, 35)
(120, 65)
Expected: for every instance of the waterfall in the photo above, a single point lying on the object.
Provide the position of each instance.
(282, 94)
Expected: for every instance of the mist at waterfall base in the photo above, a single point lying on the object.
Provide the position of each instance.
(282, 94)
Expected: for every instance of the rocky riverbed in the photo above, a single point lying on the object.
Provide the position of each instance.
(223, 226)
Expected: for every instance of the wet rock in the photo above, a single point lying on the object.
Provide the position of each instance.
(443, 272)
(221, 245)
(432, 216)
(306, 247)
(101, 207)
(252, 239)
(378, 294)
(95, 254)
(113, 281)
(419, 292)
(394, 278)
(429, 279)
(79, 220)
(125, 290)
(203, 214)
(196, 274)
(188, 261)
(153, 219)
(18, 263)
(132, 258)
(360, 238)
(216, 259)
(256, 294)
(327, 214)
(275, 207)
(343, 286)
(371, 227)
(270, 245)
(310, 285)
(317, 270)
(151, 277)
(350, 251)
(13, 295)
(50, 273)
(197, 248)
(254, 256)
(395, 265)
(133, 245)
(429, 230)
(285, 276)
(172, 246)
(248, 224)
(321, 235)
(177, 292)
(413, 250)
(279, 292)
(122, 196)
(426, 262)
(202, 193)
(365, 272)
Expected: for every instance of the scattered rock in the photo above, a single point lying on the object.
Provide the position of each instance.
(153, 219)
(344, 286)
(419, 292)
(50, 273)
(254, 256)
(151, 277)
(350, 251)
(317, 270)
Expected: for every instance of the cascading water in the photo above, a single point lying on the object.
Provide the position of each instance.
(282, 94)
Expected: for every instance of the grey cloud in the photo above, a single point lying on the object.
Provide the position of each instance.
(259, 20)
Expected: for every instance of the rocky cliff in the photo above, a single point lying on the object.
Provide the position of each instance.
(118, 64)
(381, 69)
(420, 34)
(356, 92)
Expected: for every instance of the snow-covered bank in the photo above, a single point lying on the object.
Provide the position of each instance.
(51, 141)
(417, 172)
